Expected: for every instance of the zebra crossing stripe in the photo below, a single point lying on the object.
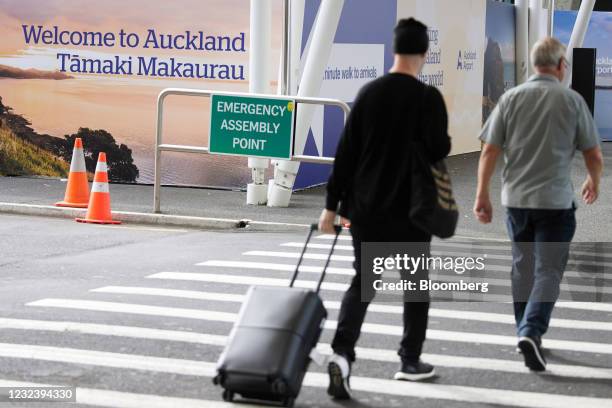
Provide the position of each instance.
(438, 247)
(120, 399)
(345, 258)
(246, 280)
(508, 248)
(114, 307)
(296, 255)
(114, 331)
(565, 287)
(591, 306)
(338, 247)
(381, 329)
(376, 308)
(340, 238)
(477, 246)
(350, 271)
(317, 380)
(276, 267)
(509, 366)
(174, 293)
(332, 286)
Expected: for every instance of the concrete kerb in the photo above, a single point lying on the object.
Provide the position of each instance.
(169, 220)
(139, 218)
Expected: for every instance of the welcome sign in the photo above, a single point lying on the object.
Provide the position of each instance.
(138, 65)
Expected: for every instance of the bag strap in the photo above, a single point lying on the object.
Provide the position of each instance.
(423, 111)
(313, 228)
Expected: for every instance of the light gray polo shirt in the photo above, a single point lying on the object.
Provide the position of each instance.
(540, 125)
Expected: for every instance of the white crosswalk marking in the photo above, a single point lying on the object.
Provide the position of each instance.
(245, 280)
(268, 266)
(339, 287)
(207, 369)
(375, 308)
(505, 269)
(508, 366)
(113, 331)
(381, 329)
(114, 307)
(296, 255)
(565, 287)
(123, 302)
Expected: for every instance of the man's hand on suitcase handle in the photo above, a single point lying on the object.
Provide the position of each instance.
(326, 222)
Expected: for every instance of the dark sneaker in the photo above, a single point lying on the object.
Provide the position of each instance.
(532, 353)
(339, 371)
(538, 341)
(415, 371)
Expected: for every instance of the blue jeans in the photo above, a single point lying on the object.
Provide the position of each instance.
(540, 250)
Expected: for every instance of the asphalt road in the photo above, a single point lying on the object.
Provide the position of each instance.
(137, 316)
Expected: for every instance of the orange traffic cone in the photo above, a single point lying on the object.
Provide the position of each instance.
(77, 190)
(99, 210)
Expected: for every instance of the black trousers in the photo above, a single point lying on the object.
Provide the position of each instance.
(353, 308)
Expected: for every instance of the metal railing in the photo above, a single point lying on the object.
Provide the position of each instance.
(161, 147)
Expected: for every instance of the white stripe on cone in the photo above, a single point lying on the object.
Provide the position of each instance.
(98, 187)
(101, 167)
(77, 165)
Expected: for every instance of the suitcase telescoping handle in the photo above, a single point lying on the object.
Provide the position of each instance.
(313, 228)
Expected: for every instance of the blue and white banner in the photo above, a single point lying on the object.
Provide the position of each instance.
(599, 36)
(363, 51)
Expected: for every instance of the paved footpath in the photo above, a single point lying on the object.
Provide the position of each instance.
(306, 205)
(137, 317)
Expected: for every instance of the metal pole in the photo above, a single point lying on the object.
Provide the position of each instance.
(535, 29)
(522, 40)
(158, 142)
(286, 68)
(552, 4)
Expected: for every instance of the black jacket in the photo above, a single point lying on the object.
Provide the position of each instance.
(371, 173)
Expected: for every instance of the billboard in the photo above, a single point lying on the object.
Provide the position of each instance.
(67, 70)
(455, 62)
(599, 36)
(499, 55)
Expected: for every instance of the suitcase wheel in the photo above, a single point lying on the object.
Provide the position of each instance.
(228, 395)
(288, 402)
(279, 387)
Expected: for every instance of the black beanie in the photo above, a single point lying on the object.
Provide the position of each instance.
(410, 37)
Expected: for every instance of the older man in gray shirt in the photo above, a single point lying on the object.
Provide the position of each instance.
(538, 126)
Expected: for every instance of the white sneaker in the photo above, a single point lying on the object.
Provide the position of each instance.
(339, 370)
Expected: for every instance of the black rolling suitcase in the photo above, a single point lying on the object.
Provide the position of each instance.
(268, 350)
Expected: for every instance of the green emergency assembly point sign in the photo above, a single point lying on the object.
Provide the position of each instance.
(251, 126)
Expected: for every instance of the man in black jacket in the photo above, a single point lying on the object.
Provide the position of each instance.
(371, 177)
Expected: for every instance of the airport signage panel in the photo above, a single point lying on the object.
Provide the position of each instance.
(252, 126)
